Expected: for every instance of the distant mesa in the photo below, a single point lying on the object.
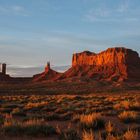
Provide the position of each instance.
(113, 64)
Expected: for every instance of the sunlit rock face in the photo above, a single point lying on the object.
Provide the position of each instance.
(114, 64)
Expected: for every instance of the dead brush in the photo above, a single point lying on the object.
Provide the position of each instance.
(131, 135)
(135, 105)
(33, 122)
(11, 127)
(128, 116)
(69, 134)
(123, 105)
(111, 137)
(126, 104)
(31, 105)
(76, 117)
(88, 135)
(109, 127)
(91, 121)
(30, 128)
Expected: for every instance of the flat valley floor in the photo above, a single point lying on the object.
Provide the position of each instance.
(100, 116)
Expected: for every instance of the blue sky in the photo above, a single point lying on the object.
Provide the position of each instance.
(33, 32)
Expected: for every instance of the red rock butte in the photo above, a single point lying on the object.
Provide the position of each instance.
(48, 74)
(115, 64)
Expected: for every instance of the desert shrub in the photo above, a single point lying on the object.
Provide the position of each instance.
(128, 116)
(93, 121)
(18, 112)
(117, 106)
(110, 113)
(5, 110)
(131, 135)
(52, 117)
(126, 104)
(39, 129)
(8, 117)
(111, 137)
(70, 134)
(88, 135)
(75, 118)
(122, 105)
(11, 127)
(30, 127)
(135, 105)
(109, 127)
(60, 111)
(31, 105)
(66, 116)
(35, 127)
(13, 130)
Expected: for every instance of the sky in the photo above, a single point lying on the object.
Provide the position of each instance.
(33, 32)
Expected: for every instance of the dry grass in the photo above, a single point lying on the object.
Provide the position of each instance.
(93, 120)
(70, 134)
(128, 116)
(18, 112)
(39, 115)
(136, 105)
(109, 127)
(88, 135)
(36, 105)
(127, 105)
(123, 105)
(30, 127)
(131, 135)
(111, 137)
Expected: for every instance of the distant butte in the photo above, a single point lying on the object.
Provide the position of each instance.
(113, 64)
(3, 75)
(48, 74)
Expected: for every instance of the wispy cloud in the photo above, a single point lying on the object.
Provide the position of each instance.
(47, 47)
(104, 13)
(13, 10)
(97, 14)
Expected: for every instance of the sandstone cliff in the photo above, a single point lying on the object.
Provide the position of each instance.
(112, 64)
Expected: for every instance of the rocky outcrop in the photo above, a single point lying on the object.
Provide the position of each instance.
(48, 74)
(115, 64)
(4, 77)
